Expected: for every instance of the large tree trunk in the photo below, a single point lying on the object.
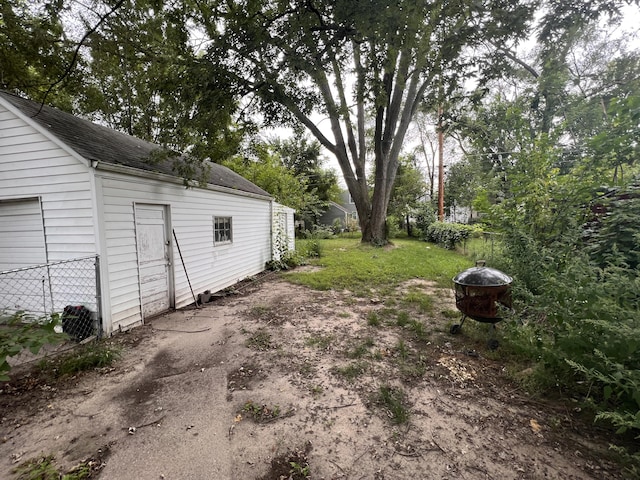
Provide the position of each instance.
(373, 220)
(377, 223)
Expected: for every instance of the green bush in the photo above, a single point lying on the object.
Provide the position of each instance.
(615, 236)
(288, 259)
(309, 248)
(448, 235)
(319, 232)
(424, 215)
(392, 226)
(20, 332)
(581, 323)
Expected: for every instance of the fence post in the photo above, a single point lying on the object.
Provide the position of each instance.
(99, 329)
(53, 308)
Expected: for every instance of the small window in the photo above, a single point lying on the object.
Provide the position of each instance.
(221, 230)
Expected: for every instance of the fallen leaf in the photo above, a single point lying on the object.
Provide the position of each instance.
(238, 418)
(535, 426)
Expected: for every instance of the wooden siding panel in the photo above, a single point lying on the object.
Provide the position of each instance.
(32, 158)
(31, 165)
(67, 222)
(191, 213)
(36, 147)
(19, 136)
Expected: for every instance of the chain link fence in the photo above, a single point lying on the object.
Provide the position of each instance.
(487, 247)
(68, 291)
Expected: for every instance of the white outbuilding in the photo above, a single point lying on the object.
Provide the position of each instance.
(71, 189)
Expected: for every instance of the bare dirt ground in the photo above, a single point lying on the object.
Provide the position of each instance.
(279, 381)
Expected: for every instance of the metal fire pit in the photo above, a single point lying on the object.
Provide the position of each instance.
(482, 293)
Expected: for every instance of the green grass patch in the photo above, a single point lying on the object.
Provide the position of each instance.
(418, 329)
(259, 311)
(350, 371)
(402, 320)
(393, 401)
(388, 313)
(412, 370)
(83, 358)
(451, 313)
(319, 341)
(361, 349)
(402, 350)
(43, 468)
(259, 412)
(360, 268)
(373, 319)
(38, 468)
(316, 390)
(259, 340)
(422, 301)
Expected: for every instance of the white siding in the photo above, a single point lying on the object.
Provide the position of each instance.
(32, 165)
(191, 213)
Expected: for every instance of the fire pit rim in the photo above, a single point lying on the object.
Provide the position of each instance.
(478, 277)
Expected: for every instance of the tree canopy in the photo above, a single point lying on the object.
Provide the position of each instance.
(351, 61)
(35, 51)
(186, 73)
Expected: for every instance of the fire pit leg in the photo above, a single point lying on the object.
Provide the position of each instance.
(493, 342)
(456, 328)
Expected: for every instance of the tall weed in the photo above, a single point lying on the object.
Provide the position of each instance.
(581, 323)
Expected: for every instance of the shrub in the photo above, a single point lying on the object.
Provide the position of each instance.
(616, 233)
(21, 332)
(289, 259)
(321, 232)
(448, 235)
(352, 225)
(309, 248)
(336, 226)
(424, 215)
(577, 319)
(392, 226)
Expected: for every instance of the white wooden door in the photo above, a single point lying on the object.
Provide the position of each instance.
(153, 258)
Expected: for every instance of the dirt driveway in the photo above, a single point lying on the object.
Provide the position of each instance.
(279, 381)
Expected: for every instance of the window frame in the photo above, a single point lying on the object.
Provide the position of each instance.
(222, 225)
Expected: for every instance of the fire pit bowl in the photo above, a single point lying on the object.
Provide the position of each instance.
(482, 293)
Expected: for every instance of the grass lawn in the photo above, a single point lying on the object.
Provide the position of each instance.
(348, 264)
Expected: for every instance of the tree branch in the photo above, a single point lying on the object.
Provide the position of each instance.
(74, 59)
(360, 89)
(344, 109)
(511, 56)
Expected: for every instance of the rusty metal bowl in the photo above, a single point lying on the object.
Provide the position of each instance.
(482, 293)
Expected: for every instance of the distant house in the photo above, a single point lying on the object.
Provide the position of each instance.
(70, 188)
(344, 211)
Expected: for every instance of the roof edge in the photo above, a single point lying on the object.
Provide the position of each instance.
(163, 177)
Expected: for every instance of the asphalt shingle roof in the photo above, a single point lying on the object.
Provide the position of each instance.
(96, 142)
